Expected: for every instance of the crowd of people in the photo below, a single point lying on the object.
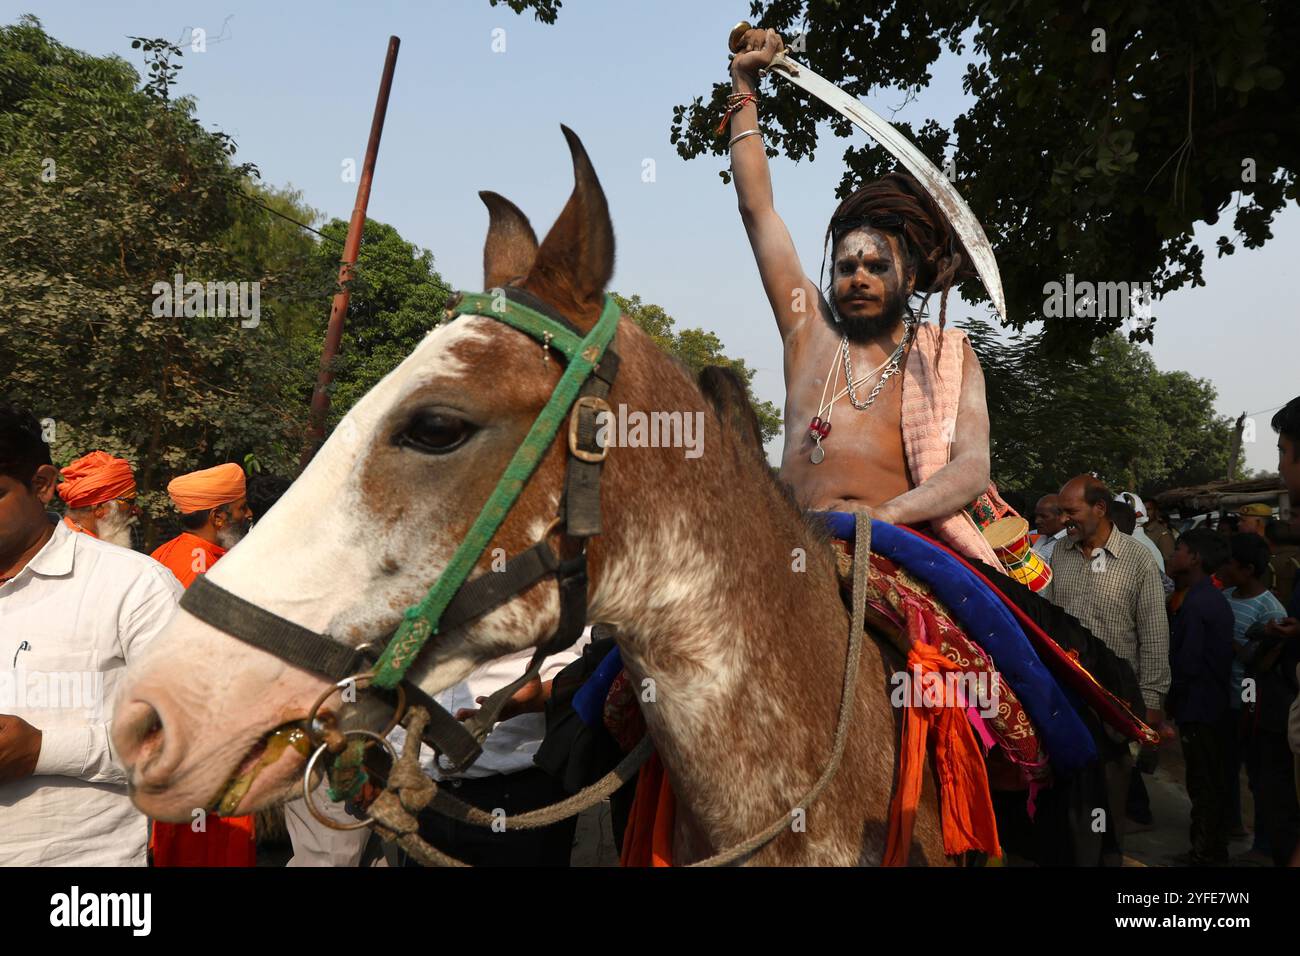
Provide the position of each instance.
(1207, 619)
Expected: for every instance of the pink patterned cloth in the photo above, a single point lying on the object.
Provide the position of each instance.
(931, 395)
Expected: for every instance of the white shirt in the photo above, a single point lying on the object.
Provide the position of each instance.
(1139, 534)
(511, 745)
(70, 622)
(315, 844)
(1045, 545)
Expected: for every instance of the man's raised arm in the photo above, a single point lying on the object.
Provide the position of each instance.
(792, 294)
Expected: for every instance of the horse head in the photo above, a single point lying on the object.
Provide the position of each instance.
(378, 514)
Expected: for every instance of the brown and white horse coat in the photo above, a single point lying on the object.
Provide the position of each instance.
(698, 566)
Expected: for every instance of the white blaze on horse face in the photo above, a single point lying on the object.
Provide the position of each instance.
(315, 558)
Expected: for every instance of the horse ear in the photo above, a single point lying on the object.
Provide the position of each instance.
(577, 256)
(511, 244)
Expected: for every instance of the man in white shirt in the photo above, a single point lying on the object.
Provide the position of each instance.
(1139, 530)
(73, 612)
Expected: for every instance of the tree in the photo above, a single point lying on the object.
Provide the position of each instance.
(697, 348)
(111, 189)
(1111, 411)
(1101, 134)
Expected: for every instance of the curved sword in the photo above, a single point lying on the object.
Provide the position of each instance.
(943, 192)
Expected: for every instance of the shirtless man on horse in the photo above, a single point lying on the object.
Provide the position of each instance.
(889, 242)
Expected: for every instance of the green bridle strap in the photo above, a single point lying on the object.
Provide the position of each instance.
(517, 315)
(420, 622)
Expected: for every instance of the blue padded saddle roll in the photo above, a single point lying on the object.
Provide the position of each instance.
(990, 625)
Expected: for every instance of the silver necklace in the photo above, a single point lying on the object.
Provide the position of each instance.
(892, 367)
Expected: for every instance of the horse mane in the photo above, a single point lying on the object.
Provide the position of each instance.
(726, 392)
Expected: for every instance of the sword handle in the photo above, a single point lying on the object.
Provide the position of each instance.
(737, 34)
(779, 62)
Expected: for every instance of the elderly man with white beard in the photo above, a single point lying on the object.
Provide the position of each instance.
(99, 491)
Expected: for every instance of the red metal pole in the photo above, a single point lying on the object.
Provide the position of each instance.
(320, 399)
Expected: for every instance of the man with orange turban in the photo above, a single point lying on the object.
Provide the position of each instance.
(99, 491)
(215, 515)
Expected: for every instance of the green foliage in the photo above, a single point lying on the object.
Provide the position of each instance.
(109, 188)
(1099, 163)
(266, 241)
(697, 348)
(1111, 411)
(544, 10)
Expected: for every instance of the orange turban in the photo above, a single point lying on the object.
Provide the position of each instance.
(95, 478)
(209, 488)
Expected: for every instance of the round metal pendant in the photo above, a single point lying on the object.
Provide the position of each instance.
(818, 454)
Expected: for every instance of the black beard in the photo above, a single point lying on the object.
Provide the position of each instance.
(860, 330)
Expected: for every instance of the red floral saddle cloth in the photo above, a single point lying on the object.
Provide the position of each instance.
(904, 610)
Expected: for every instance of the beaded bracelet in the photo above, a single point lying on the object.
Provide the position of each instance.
(735, 103)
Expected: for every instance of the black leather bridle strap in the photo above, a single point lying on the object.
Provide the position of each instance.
(582, 478)
(529, 301)
(493, 588)
(292, 643)
(444, 733)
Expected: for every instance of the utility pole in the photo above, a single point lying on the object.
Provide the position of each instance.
(320, 399)
(1236, 447)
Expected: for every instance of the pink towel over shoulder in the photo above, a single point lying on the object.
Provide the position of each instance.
(931, 395)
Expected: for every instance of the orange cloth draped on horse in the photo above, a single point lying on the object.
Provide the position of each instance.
(223, 841)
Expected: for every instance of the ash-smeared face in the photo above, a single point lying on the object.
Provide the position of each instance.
(870, 282)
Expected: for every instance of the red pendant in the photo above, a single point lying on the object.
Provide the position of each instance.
(815, 425)
(824, 429)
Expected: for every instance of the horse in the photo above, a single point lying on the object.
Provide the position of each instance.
(724, 597)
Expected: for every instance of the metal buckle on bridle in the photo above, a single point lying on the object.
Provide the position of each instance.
(598, 405)
(357, 682)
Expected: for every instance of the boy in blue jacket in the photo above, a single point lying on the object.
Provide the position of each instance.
(1200, 659)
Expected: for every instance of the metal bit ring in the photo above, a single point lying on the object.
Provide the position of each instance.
(311, 765)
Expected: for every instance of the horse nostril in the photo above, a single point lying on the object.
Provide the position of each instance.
(141, 736)
(153, 731)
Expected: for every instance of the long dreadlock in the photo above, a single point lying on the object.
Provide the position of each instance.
(897, 203)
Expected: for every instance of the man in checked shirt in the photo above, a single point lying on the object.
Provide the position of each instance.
(1111, 583)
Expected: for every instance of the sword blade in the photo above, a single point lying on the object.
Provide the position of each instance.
(968, 228)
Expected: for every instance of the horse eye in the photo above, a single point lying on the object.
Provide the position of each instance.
(432, 433)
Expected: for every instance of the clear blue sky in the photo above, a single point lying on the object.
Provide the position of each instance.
(295, 82)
